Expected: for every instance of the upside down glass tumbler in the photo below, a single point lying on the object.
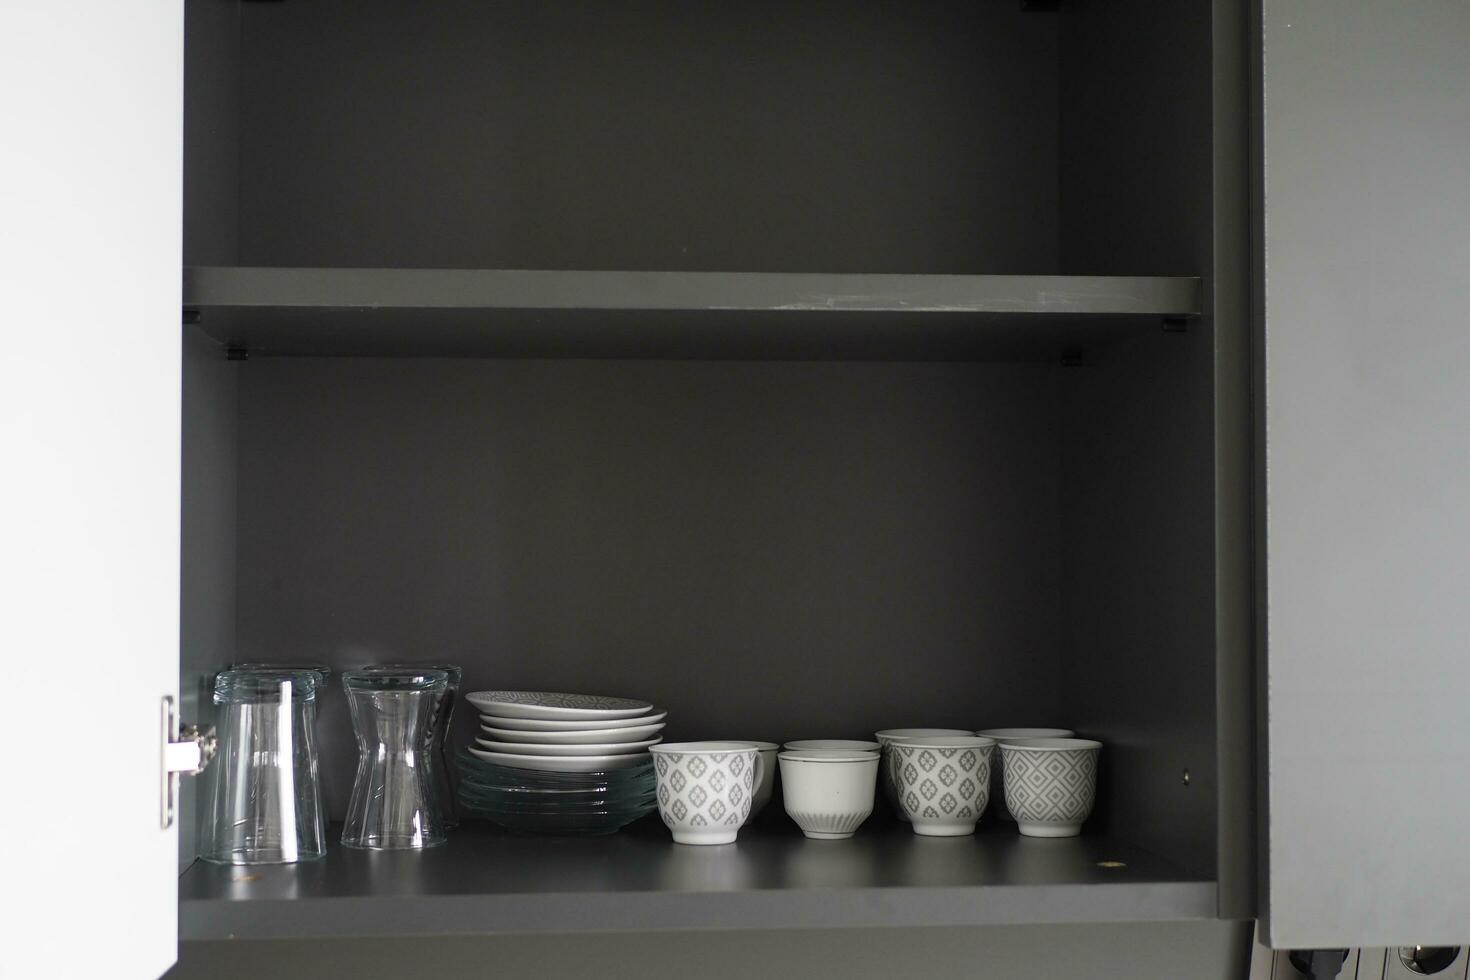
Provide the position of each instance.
(263, 803)
(393, 803)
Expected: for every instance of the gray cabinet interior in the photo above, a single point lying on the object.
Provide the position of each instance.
(773, 545)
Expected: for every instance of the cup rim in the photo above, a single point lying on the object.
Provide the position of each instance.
(700, 748)
(853, 745)
(947, 742)
(1012, 734)
(898, 734)
(763, 746)
(1053, 744)
(826, 756)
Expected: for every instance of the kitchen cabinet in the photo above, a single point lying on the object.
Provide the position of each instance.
(894, 364)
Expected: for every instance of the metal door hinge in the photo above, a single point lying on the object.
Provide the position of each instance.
(187, 750)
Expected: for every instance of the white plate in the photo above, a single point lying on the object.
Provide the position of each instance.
(570, 751)
(555, 763)
(493, 720)
(594, 737)
(561, 707)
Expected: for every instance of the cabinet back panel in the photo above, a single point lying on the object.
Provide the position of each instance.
(659, 134)
(770, 550)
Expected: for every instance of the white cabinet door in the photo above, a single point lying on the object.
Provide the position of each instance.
(91, 113)
(1367, 429)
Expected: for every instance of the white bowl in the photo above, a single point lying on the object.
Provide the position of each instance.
(556, 706)
(827, 792)
(581, 725)
(569, 751)
(556, 763)
(594, 737)
(842, 744)
(997, 777)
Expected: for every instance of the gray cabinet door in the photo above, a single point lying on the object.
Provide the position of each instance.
(1366, 289)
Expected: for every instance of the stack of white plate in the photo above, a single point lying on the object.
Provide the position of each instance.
(564, 732)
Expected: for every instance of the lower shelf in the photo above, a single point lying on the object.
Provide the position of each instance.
(485, 881)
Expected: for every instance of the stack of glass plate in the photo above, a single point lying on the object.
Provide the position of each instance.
(540, 802)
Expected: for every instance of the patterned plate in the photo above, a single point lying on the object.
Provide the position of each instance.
(565, 751)
(550, 725)
(561, 707)
(598, 736)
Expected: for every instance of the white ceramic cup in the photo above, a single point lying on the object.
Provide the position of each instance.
(943, 782)
(997, 780)
(1050, 784)
(828, 793)
(885, 769)
(705, 789)
(767, 784)
(831, 744)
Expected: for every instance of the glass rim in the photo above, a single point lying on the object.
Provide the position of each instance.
(407, 680)
(453, 671)
(258, 684)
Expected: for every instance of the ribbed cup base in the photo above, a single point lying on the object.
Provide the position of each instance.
(829, 826)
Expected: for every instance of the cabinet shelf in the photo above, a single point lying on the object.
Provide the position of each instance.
(485, 882)
(515, 313)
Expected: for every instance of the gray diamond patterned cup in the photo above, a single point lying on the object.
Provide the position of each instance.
(942, 782)
(705, 788)
(998, 807)
(1050, 784)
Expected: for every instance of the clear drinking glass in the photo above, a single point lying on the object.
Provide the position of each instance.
(263, 804)
(437, 744)
(393, 797)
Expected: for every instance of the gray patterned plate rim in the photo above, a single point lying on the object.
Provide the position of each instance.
(551, 725)
(556, 705)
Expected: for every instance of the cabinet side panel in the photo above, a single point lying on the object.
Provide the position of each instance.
(207, 549)
(1137, 529)
(1136, 168)
(1367, 292)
